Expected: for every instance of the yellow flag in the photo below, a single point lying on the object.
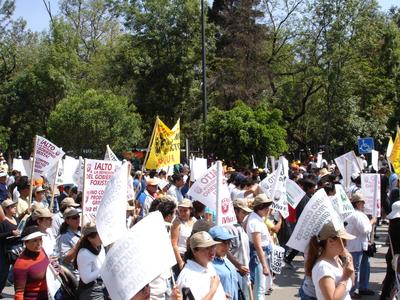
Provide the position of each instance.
(389, 147)
(395, 154)
(165, 147)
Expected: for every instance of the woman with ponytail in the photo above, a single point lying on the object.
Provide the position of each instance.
(329, 264)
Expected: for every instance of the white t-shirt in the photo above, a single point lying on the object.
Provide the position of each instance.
(89, 265)
(325, 269)
(359, 225)
(198, 280)
(256, 224)
(49, 243)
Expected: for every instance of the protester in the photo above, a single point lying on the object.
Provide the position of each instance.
(58, 218)
(224, 268)
(42, 218)
(394, 249)
(167, 208)
(199, 278)
(8, 228)
(67, 243)
(39, 197)
(260, 247)
(330, 264)
(360, 226)
(181, 230)
(30, 268)
(239, 253)
(3, 186)
(146, 198)
(23, 199)
(175, 189)
(90, 257)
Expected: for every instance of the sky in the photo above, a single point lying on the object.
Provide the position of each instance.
(34, 11)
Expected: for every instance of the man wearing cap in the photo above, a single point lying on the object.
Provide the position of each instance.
(360, 226)
(3, 186)
(224, 268)
(146, 198)
(58, 218)
(239, 253)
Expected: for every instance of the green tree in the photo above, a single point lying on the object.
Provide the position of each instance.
(238, 133)
(93, 119)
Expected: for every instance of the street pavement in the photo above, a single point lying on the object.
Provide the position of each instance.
(286, 285)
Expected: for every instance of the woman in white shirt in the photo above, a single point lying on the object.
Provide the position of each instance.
(198, 278)
(43, 218)
(90, 258)
(260, 247)
(332, 275)
(360, 226)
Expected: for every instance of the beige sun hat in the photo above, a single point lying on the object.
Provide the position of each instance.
(201, 239)
(329, 231)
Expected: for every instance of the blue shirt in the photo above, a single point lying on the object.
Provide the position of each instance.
(3, 192)
(228, 275)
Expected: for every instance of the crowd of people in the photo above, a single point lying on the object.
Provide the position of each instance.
(47, 234)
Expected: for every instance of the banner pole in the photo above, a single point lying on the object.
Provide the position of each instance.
(218, 191)
(84, 191)
(32, 173)
(53, 188)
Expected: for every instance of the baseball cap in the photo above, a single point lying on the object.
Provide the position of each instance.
(41, 213)
(7, 203)
(185, 203)
(220, 233)
(201, 239)
(242, 203)
(68, 202)
(70, 212)
(329, 231)
(89, 228)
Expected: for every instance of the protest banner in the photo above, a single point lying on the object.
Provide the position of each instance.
(346, 162)
(266, 165)
(394, 156)
(204, 189)
(198, 166)
(225, 211)
(294, 193)
(278, 254)
(267, 183)
(316, 213)
(371, 190)
(374, 159)
(53, 281)
(22, 165)
(55, 177)
(341, 202)
(111, 214)
(319, 160)
(134, 260)
(165, 149)
(278, 193)
(97, 174)
(110, 155)
(69, 166)
(272, 163)
(77, 176)
(389, 147)
(46, 155)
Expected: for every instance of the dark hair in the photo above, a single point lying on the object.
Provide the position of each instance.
(177, 177)
(64, 228)
(167, 208)
(162, 172)
(31, 222)
(154, 205)
(261, 206)
(314, 248)
(84, 243)
(152, 173)
(329, 187)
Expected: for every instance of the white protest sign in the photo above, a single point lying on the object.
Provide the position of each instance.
(111, 215)
(142, 254)
(55, 175)
(53, 283)
(278, 254)
(198, 166)
(319, 160)
(254, 164)
(294, 193)
(23, 165)
(46, 155)
(69, 166)
(77, 177)
(343, 162)
(371, 190)
(267, 183)
(97, 175)
(225, 213)
(341, 202)
(278, 193)
(266, 164)
(272, 163)
(204, 189)
(316, 213)
(374, 159)
(110, 155)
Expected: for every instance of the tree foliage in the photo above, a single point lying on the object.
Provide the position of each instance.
(242, 131)
(86, 122)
